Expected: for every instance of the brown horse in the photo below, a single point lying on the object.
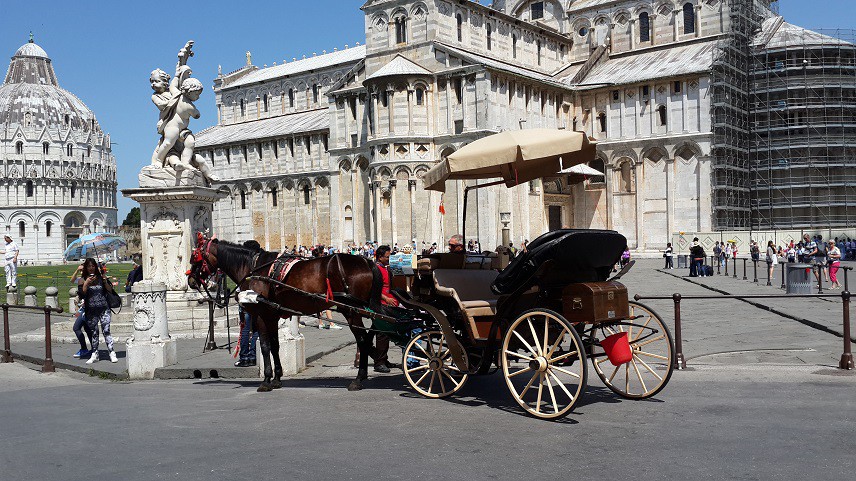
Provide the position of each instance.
(346, 275)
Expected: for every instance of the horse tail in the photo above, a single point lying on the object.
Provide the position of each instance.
(377, 287)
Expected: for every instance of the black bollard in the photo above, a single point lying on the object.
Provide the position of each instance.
(755, 264)
(744, 270)
(783, 275)
(735, 267)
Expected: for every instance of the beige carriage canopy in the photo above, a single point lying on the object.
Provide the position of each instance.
(514, 156)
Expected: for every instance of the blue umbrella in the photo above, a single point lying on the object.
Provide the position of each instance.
(91, 245)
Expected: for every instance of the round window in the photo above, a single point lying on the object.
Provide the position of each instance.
(583, 31)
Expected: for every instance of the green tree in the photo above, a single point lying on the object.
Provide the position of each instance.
(133, 218)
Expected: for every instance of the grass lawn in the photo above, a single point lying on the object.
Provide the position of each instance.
(41, 277)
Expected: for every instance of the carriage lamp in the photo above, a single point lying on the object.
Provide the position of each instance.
(505, 218)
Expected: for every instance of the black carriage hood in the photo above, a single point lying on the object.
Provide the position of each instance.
(590, 252)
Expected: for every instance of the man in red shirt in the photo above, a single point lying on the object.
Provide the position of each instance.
(382, 258)
(381, 357)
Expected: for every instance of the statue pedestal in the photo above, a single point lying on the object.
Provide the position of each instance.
(150, 347)
(170, 217)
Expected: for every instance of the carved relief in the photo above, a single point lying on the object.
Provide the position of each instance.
(202, 220)
(166, 250)
(148, 306)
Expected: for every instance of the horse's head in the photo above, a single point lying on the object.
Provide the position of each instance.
(203, 262)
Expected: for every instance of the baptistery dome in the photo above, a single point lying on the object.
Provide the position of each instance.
(58, 172)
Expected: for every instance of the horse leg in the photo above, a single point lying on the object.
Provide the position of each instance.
(364, 343)
(277, 363)
(264, 341)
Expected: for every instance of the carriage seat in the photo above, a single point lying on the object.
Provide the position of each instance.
(470, 288)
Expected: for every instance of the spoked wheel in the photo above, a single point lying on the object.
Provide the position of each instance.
(653, 355)
(429, 367)
(544, 363)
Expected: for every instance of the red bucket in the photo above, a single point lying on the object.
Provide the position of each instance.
(617, 348)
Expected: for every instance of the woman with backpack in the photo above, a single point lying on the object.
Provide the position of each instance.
(92, 288)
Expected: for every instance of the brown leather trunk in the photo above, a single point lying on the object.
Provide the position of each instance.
(593, 302)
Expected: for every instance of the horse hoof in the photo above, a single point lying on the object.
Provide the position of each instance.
(276, 384)
(355, 386)
(264, 388)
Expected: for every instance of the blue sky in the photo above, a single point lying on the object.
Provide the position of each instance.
(103, 51)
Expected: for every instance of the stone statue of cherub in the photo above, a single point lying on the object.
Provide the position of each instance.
(174, 99)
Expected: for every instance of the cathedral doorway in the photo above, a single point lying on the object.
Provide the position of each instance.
(554, 217)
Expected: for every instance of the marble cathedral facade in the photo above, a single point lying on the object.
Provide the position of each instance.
(330, 149)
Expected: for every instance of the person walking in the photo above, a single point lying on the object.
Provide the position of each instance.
(728, 251)
(771, 258)
(698, 255)
(833, 255)
(625, 257)
(668, 255)
(92, 288)
(10, 256)
(717, 253)
(80, 325)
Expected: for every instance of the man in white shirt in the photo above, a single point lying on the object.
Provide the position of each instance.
(10, 256)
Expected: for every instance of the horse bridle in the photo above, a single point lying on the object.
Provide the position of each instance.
(201, 254)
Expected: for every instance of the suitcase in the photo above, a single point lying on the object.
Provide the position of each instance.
(593, 302)
(708, 270)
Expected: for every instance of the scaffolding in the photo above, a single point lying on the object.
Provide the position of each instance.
(730, 115)
(803, 136)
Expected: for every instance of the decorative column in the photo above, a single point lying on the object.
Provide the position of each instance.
(170, 218)
(633, 33)
(372, 210)
(150, 347)
(411, 187)
(392, 216)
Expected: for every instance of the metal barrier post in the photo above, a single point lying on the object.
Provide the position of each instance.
(726, 266)
(716, 259)
(819, 279)
(847, 357)
(680, 362)
(783, 275)
(744, 270)
(49, 364)
(7, 349)
(846, 285)
(755, 264)
(211, 344)
(735, 267)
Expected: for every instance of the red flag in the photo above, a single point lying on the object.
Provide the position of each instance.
(442, 208)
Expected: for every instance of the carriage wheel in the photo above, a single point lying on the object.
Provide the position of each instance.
(653, 355)
(544, 363)
(429, 367)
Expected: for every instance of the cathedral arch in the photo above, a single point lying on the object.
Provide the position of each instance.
(344, 164)
(665, 8)
(384, 173)
(626, 153)
(74, 219)
(256, 186)
(402, 173)
(19, 215)
(687, 150)
(362, 163)
(321, 181)
(654, 154)
(446, 150)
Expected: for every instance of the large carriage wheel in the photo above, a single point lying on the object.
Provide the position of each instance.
(544, 363)
(429, 368)
(653, 355)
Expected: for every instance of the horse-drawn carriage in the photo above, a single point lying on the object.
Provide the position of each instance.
(539, 319)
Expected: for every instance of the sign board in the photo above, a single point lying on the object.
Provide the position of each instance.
(402, 264)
